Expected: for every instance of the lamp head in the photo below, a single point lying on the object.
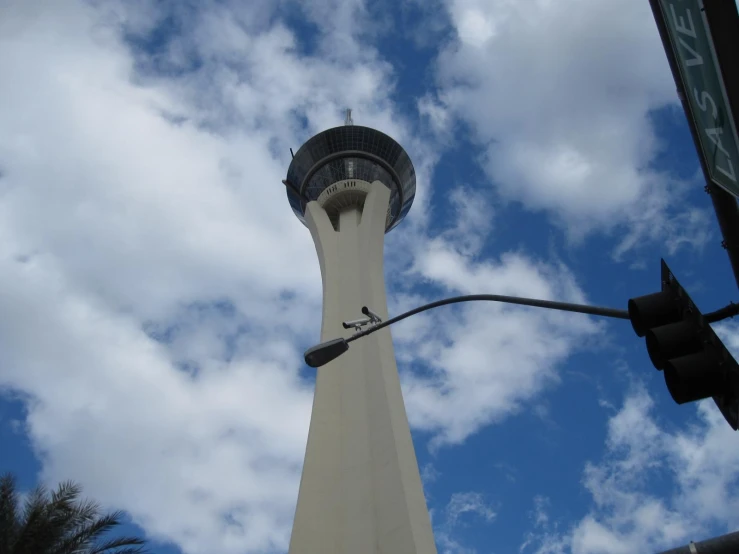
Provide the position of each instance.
(323, 353)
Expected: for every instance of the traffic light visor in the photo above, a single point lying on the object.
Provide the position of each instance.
(672, 341)
(653, 310)
(694, 377)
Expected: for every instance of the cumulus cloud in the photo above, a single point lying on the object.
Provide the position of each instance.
(560, 104)
(461, 506)
(545, 534)
(481, 362)
(628, 514)
(468, 503)
(474, 221)
(178, 451)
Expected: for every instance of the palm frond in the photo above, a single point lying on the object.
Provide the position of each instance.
(85, 537)
(35, 530)
(65, 493)
(102, 525)
(58, 523)
(69, 514)
(83, 514)
(137, 550)
(111, 545)
(51, 519)
(35, 503)
(8, 512)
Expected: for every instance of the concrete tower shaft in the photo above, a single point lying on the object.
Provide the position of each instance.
(361, 490)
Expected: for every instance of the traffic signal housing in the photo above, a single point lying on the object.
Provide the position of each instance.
(681, 344)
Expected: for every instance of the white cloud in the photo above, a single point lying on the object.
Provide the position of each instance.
(468, 503)
(474, 217)
(115, 176)
(690, 228)
(177, 451)
(628, 515)
(483, 362)
(540, 516)
(728, 332)
(545, 533)
(559, 96)
(429, 474)
(461, 506)
(480, 363)
(436, 114)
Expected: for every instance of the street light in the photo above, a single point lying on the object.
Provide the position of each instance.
(323, 353)
(658, 316)
(654, 316)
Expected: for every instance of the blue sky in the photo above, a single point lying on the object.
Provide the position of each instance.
(159, 292)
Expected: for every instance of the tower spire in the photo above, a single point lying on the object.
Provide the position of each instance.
(348, 120)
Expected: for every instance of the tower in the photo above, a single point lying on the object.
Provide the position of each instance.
(360, 491)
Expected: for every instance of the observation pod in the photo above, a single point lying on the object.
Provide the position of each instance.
(350, 157)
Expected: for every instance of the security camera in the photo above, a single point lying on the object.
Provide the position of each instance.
(357, 323)
(375, 318)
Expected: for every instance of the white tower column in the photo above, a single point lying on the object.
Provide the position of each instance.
(360, 491)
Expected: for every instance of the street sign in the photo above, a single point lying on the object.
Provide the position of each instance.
(692, 45)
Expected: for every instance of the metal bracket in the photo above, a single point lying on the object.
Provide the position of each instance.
(357, 324)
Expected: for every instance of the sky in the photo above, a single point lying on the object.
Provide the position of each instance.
(159, 293)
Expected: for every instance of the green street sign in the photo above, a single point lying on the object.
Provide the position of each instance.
(704, 88)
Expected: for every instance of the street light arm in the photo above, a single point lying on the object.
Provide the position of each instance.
(323, 353)
(562, 306)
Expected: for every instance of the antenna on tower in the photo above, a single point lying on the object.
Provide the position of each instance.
(348, 120)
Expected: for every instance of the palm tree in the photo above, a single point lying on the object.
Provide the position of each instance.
(57, 523)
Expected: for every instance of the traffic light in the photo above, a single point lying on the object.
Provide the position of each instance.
(681, 343)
